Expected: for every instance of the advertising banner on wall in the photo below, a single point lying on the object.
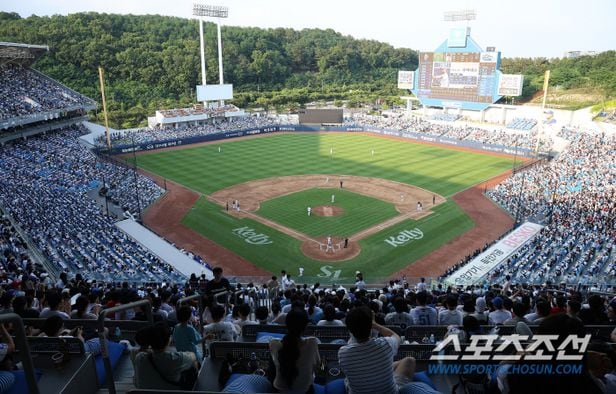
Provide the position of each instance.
(495, 255)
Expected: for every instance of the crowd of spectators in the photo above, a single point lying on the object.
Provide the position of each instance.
(522, 124)
(24, 91)
(444, 117)
(226, 308)
(144, 135)
(505, 137)
(574, 196)
(45, 182)
(510, 138)
(199, 110)
(370, 314)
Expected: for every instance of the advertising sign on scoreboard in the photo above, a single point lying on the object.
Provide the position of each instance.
(406, 79)
(510, 85)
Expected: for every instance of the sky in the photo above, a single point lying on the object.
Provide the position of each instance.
(517, 28)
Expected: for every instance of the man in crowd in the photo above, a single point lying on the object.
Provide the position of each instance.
(423, 315)
(218, 285)
(220, 330)
(499, 315)
(400, 317)
(450, 316)
(368, 362)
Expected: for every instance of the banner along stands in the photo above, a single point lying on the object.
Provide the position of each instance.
(495, 255)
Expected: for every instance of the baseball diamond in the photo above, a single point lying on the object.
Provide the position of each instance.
(275, 178)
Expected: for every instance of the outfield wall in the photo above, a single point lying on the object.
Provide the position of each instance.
(307, 128)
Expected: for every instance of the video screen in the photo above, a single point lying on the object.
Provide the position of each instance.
(458, 76)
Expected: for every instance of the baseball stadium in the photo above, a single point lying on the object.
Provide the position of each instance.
(433, 245)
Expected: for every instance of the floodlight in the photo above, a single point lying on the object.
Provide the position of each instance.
(460, 15)
(212, 11)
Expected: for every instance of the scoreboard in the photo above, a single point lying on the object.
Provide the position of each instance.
(458, 76)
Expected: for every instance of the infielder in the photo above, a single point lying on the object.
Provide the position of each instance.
(333, 198)
(309, 211)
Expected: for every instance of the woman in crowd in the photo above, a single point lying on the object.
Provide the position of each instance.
(314, 312)
(329, 317)
(295, 357)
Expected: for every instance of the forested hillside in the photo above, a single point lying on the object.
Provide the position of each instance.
(152, 62)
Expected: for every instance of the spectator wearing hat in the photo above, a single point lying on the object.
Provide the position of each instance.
(480, 311)
(499, 315)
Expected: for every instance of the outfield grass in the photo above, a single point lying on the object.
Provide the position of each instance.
(204, 169)
(440, 170)
(359, 212)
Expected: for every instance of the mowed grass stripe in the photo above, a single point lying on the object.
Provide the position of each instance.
(442, 170)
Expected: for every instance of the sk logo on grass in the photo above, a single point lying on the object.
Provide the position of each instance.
(251, 236)
(404, 236)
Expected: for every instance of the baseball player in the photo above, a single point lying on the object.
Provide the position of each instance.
(330, 245)
(309, 211)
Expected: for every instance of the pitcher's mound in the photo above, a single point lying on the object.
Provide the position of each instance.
(327, 210)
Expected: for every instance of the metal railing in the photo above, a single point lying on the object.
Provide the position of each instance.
(22, 345)
(101, 335)
(33, 250)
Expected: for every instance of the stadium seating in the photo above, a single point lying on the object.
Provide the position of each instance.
(522, 124)
(443, 117)
(46, 179)
(26, 92)
(572, 196)
(501, 137)
(139, 136)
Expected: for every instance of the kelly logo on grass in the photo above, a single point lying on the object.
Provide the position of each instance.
(404, 236)
(251, 236)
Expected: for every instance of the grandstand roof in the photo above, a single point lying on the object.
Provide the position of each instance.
(24, 54)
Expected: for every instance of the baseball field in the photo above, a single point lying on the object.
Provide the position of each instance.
(389, 199)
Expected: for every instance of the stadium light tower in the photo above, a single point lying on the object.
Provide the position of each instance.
(460, 15)
(217, 12)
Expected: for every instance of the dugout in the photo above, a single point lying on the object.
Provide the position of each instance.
(325, 117)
